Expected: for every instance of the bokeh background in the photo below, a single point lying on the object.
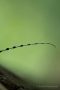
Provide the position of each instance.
(30, 21)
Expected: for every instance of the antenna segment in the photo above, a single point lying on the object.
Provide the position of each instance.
(30, 44)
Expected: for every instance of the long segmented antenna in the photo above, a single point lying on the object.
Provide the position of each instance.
(14, 47)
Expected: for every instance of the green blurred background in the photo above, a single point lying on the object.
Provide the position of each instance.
(29, 21)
